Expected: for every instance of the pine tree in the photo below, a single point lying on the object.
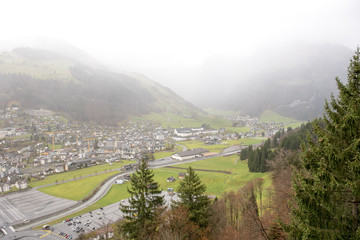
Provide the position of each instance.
(252, 160)
(327, 190)
(144, 203)
(191, 193)
(244, 154)
(257, 161)
(262, 167)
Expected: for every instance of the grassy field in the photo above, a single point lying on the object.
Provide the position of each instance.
(13, 63)
(217, 183)
(220, 147)
(170, 120)
(238, 129)
(159, 155)
(115, 194)
(77, 189)
(269, 115)
(77, 173)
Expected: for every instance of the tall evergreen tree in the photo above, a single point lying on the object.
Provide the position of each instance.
(252, 161)
(244, 154)
(327, 190)
(191, 193)
(144, 203)
(262, 166)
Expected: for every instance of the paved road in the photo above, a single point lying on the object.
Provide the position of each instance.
(98, 218)
(102, 191)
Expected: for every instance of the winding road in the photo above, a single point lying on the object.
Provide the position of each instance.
(101, 193)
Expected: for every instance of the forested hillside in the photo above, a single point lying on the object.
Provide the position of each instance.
(38, 78)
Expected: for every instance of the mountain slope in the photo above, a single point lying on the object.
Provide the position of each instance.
(294, 80)
(41, 78)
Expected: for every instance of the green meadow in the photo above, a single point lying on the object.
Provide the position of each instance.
(268, 116)
(165, 154)
(220, 147)
(217, 183)
(77, 189)
(170, 120)
(58, 178)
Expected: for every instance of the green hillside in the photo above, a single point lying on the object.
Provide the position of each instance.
(37, 78)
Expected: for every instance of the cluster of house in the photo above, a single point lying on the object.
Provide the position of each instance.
(182, 134)
(257, 128)
(11, 177)
(30, 142)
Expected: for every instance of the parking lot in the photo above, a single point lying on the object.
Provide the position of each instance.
(72, 228)
(14, 209)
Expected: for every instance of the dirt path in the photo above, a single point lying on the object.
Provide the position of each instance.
(203, 170)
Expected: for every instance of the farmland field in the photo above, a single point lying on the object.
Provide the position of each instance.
(159, 155)
(77, 189)
(219, 147)
(79, 173)
(269, 115)
(217, 183)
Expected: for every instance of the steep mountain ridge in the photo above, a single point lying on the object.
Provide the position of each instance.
(41, 78)
(294, 80)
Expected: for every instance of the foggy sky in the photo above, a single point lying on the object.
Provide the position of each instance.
(157, 33)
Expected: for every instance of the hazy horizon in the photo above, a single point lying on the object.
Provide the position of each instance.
(147, 34)
(208, 52)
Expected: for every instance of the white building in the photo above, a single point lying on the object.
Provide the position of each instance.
(183, 132)
(194, 153)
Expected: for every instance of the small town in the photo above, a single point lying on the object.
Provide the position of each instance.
(191, 120)
(37, 143)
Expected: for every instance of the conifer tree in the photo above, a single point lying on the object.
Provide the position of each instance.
(327, 189)
(252, 160)
(244, 154)
(262, 166)
(191, 193)
(144, 203)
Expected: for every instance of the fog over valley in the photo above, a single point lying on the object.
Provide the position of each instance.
(237, 56)
(191, 120)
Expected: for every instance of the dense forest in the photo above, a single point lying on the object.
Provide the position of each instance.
(84, 100)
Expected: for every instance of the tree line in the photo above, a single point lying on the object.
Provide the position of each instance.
(259, 159)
